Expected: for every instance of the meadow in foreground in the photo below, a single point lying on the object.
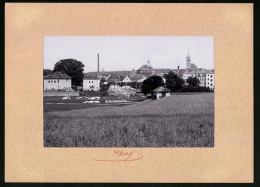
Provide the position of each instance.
(176, 121)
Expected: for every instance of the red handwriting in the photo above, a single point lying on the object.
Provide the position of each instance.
(121, 155)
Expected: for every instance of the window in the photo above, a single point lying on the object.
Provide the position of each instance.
(210, 75)
(210, 84)
(58, 81)
(49, 81)
(54, 81)
(89, 81)
(211, 80)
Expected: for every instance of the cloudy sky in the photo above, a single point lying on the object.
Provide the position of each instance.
(126, 53)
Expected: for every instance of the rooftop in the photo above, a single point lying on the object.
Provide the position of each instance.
(57, 75)
(161, 89)
(90, 77)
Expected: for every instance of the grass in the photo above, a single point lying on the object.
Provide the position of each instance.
(55, 100)
(176, 121)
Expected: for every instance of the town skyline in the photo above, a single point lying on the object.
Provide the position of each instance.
(127, 53)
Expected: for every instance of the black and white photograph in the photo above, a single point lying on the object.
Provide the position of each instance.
(128, 91)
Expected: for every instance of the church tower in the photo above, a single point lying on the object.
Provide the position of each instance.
(148, 63)
(188, 61)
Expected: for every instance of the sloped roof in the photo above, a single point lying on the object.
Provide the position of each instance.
(193, 66)
(145, 68)
(124, 73)
(197, 71)
(136, 77)
(90, 77)
(164, 71)
(57, 75)
(113, 78)
(161, 89)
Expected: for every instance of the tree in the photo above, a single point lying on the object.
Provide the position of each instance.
(193, 81)
(73, 68)
(104, 86)
(173, 82)
(151, 83)
(47, 71)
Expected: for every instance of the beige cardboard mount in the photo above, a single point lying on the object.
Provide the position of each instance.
(231, 25)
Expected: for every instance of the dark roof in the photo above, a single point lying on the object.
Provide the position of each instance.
(197, 71)
(113, 78)
(90, 77)
(136, 77)
(164, 71)
(145, 68)
(57, 75)
(193, 66)
(161, 89)
(125, 73)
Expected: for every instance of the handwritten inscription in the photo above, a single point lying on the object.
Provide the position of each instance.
(121, 155)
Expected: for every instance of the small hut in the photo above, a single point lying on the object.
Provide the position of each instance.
(161, 92)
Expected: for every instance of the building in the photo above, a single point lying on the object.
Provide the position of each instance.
(146, 70)
(189, 65)
(137, 78)
(125, 79)
(115, 78)
(206, 77)
(210, 80)
(161, 92)
(56, 81)
(91, 82)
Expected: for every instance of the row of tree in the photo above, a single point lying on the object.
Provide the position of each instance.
(174, 83)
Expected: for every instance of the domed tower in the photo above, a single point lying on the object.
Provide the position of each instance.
(188, 61)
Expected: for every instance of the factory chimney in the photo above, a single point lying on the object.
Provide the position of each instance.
(98, 62)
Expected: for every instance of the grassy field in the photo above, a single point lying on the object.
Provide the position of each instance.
(55, 103)
(176, 121)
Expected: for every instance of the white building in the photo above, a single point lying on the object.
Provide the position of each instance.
(161, 92)
(210, 80)
(206, 77)
(56, 81)
(91, 83)
(125, 79)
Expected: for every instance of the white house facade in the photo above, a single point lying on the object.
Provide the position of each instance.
(125, 79)
(210, 80)
(91, 83)
(206, 77)
(56, 81)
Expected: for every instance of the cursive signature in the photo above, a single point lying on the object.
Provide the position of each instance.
(121, 155)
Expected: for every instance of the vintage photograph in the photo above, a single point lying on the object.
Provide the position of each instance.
(128, 91)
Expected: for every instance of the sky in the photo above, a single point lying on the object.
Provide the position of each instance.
(128, 52)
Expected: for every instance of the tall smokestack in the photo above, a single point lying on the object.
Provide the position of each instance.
(98, 62)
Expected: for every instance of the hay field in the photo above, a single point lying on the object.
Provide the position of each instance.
(176, 121)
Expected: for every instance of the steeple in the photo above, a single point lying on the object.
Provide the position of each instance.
(188, 60)
(148, 63)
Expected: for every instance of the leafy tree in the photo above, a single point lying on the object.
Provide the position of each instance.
(151, 83)
(73, 68)
(104, 86)
(47, 71)
(173, 82)
(193, 82)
